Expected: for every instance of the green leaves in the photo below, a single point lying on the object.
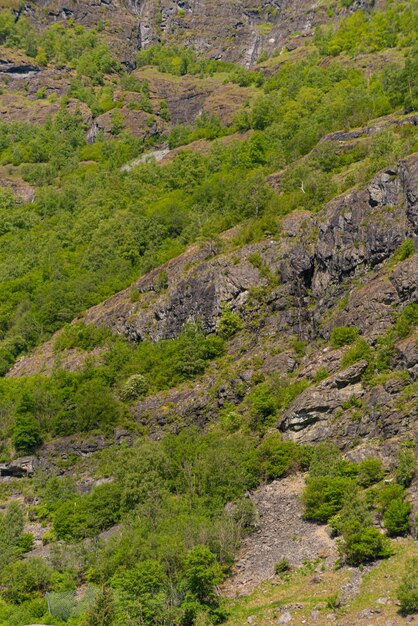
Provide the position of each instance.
(343, 335)
(407, 591)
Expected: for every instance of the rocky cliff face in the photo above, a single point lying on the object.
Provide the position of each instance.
(234, 31)
(324, 270)
(315, 259)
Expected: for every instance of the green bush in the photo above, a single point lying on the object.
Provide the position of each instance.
(407, 591)
(102, 611)
(143, 585)
(407, 320)
(343, 335)
(359, 350)
(95, 407)
(406, 466)
(287, 391)
(353, 516)
(281, 566)
(365, 546)
(370, 471)
(324, 496)
(326, 460)
(405, 250)
(396, 517)
(383, 495)
(277, 457)
(229, 323)
(23, 580)
(202, 574)
(135, 387)
(27, 433)
(88, 515)
(263, 407)
(81, 336)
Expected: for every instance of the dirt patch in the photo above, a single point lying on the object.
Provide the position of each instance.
(281, 533)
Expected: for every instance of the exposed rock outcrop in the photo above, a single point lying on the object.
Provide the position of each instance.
(234, 31)
(288, 287)
(320, 402)
(352, 235)
(22, 467)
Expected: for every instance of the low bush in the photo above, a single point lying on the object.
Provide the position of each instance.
(277, 457)
(396, 517)
(343, 335)
(406, 466)
(324, 496)
(365, 546)
(370, 471)
(407, 591)
(359, 350)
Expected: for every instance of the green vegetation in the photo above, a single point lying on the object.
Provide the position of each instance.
(72, 46)
(229, 323)
(406, 465)
(408, 589)
(94, 398)
(103, 228)
(350, 497)
(396, 517)
(176, 534)
(370, 471)
(343, 335)
(155, 536)
(360, 350)
(278, 458)
(179, 60)
(364, 31)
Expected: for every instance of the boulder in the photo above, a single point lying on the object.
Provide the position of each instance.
(22, 467)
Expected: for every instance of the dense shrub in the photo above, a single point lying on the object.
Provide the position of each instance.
(80, 336)
(135, 387)
(27, 434)
(408, 589)
(326, 460)
(366, 545)
(343, 335)
(278, 457)
(229, 323)
(353, 516)
(396, 517)
(22, 580)
(88, 515)
(370, 471)
(324, 496)
(406, 466)
(383, 495)
(263, 407)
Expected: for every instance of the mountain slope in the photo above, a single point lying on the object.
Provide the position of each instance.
(208, 313)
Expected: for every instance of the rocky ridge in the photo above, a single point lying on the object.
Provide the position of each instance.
(233, 31)
(322, 270)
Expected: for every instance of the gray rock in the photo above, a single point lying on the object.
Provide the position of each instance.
(24, 466)
(320, 402)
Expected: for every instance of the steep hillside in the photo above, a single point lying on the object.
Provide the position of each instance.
(234, 31)
(208, 313)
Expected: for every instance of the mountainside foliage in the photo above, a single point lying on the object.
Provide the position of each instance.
(153, 536)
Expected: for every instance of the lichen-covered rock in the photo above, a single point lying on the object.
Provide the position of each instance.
(320, 402)
(21, 467)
